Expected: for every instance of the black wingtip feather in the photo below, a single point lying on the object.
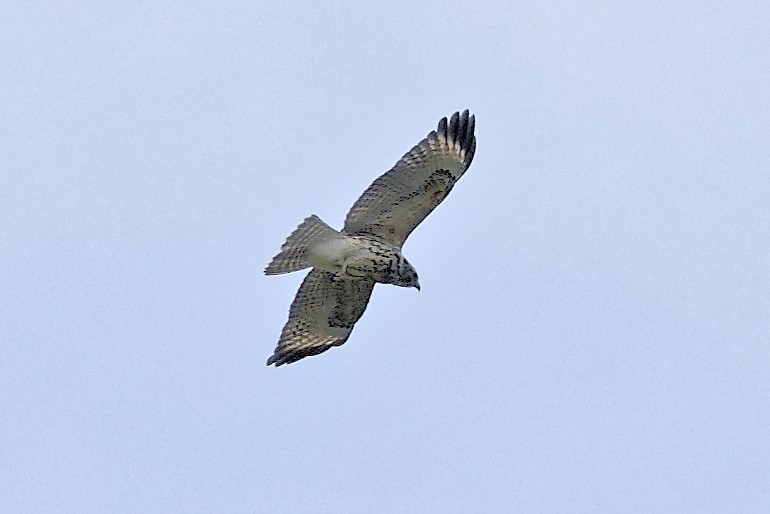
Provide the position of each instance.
(441, 130)
(469, 152)
(460, 130)
(453, 126)
(470, 140)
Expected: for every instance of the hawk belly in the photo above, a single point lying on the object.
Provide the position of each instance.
(357, 257)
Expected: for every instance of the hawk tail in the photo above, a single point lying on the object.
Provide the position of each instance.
(295, 253)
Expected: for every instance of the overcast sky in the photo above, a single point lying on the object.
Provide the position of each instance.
(593, 330)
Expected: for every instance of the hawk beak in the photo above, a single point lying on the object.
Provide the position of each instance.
(417, 286)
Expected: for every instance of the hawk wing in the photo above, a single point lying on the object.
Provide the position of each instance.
(400, 199)
(322, 315)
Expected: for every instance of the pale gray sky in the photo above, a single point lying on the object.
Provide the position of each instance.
(592, 333)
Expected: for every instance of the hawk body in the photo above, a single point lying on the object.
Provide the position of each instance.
(372, 258)
(347, 264)
(315, 244)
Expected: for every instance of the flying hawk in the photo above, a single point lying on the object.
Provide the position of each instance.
(346, 264)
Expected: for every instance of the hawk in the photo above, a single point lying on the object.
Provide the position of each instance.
(346, 264)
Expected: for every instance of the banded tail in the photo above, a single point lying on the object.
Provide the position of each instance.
(295, 252)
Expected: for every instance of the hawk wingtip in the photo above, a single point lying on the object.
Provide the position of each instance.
(460, 132)
(276, 360)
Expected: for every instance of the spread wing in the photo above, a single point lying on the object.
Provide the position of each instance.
(400, 199)
(322, 315)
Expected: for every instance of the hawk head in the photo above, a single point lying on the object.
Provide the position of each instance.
(407, 276)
